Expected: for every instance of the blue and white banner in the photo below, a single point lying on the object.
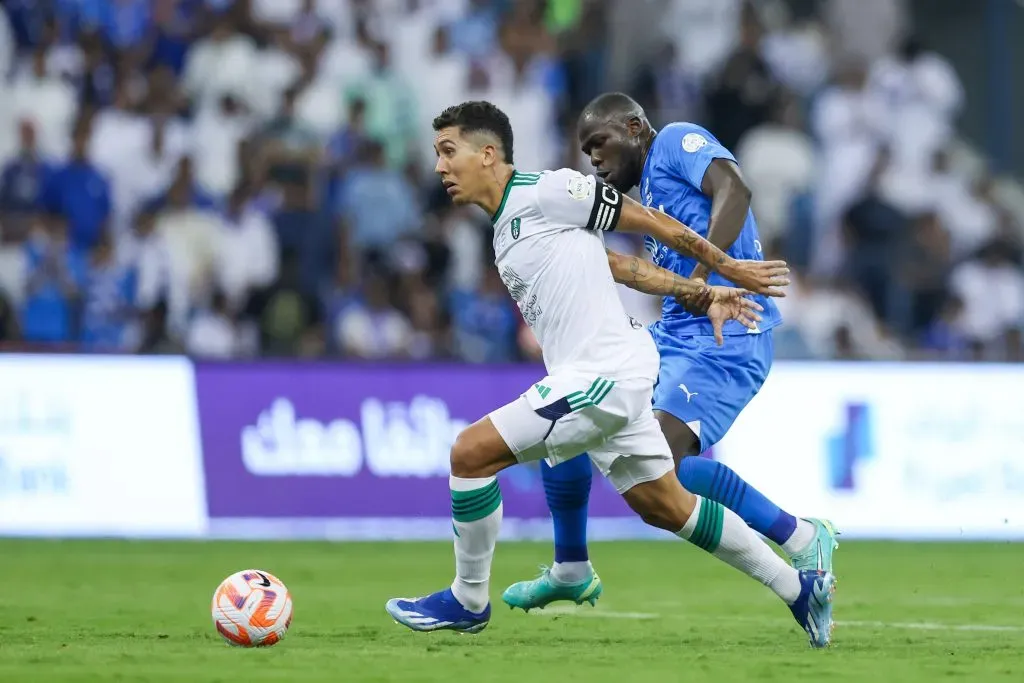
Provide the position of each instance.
(100, 446)
(889, 450)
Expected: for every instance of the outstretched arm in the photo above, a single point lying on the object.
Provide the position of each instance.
(760, 277)
(643, 276)
(719, 304)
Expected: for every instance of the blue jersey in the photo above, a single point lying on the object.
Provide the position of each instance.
(673, 173)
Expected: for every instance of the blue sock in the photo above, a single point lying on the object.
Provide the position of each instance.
(713, 480)
(567, 488)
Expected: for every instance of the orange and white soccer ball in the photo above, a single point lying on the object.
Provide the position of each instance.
(252, 609)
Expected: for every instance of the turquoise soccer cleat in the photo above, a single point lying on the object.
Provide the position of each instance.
(543, 590)
(817, 556)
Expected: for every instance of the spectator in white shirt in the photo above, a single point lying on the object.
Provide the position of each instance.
(247, 253)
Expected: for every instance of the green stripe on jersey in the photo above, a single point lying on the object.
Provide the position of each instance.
(517, 180)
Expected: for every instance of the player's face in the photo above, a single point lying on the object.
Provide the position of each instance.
(614, 152)
(460, 164)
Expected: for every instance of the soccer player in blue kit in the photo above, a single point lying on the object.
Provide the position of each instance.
(685, 172)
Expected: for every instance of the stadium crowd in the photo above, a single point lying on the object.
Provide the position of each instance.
(236, 178)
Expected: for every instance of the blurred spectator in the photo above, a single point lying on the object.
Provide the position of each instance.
(835, 322)
(430, 334)
(476, 31)
(247, 254)
(8, 47)
(484, 322)
(45, 100)
(743, 92)
(779, 164)
(945, 337)
(376, 206)
(218, 132)
(23, 186)
(80, 193)
(849, 124)
(674, 90)
(108, 300)
(923, 270)
(371, 327)
(213, 332)
(8, 320)
(922, 94)
(390, 108)
(55, 274)
(797, 51)
(992, 289)
(874, 231)
(154, 336)
(123, 24)
(224, 62)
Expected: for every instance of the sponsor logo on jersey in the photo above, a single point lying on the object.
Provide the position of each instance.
(693, 141)
(580, 187)
(516, 223)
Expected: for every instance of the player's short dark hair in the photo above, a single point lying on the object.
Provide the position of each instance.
(478, 117)
(613, 105)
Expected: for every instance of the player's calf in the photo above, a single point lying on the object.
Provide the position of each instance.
(709, 525)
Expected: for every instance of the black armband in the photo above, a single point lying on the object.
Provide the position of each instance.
(607, 208)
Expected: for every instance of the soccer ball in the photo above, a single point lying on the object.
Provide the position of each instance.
(252, 608)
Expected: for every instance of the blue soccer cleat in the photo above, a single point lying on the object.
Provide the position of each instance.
(437, 612)
(818, 554)
(543, 590)
(813, 609)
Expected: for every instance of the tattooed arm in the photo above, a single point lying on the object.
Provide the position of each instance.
(760, 277)
(644, 276)
(719, 304)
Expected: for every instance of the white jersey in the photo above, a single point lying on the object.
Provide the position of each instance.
(549, 250)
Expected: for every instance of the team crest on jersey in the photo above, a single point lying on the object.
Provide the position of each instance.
(580, 187)
(516, 222)
(693, 141)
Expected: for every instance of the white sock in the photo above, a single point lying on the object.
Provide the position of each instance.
(802, 537)
(476, 517)
(720, 531)
(571, 572)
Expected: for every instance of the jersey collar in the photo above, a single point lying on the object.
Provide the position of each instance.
(504, 198)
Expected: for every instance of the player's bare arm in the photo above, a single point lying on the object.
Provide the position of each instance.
(644, 276)
(760, 277)
(720, 304)
(730, 202)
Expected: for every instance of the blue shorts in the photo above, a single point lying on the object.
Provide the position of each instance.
(705, 385)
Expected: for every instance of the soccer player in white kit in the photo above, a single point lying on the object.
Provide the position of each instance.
(601, 366)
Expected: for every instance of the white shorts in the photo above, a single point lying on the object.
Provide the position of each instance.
(567, 414)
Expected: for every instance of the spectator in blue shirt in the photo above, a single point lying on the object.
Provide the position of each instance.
(108, 298)
(80, 193)
(377, 204)
(54, 270)
(484, 322)
(123, 23)
(23, 185)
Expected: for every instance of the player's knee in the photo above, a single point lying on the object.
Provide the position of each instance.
(662, 504)
(464, 456)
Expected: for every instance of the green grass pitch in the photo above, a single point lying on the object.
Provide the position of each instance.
(139, 611)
